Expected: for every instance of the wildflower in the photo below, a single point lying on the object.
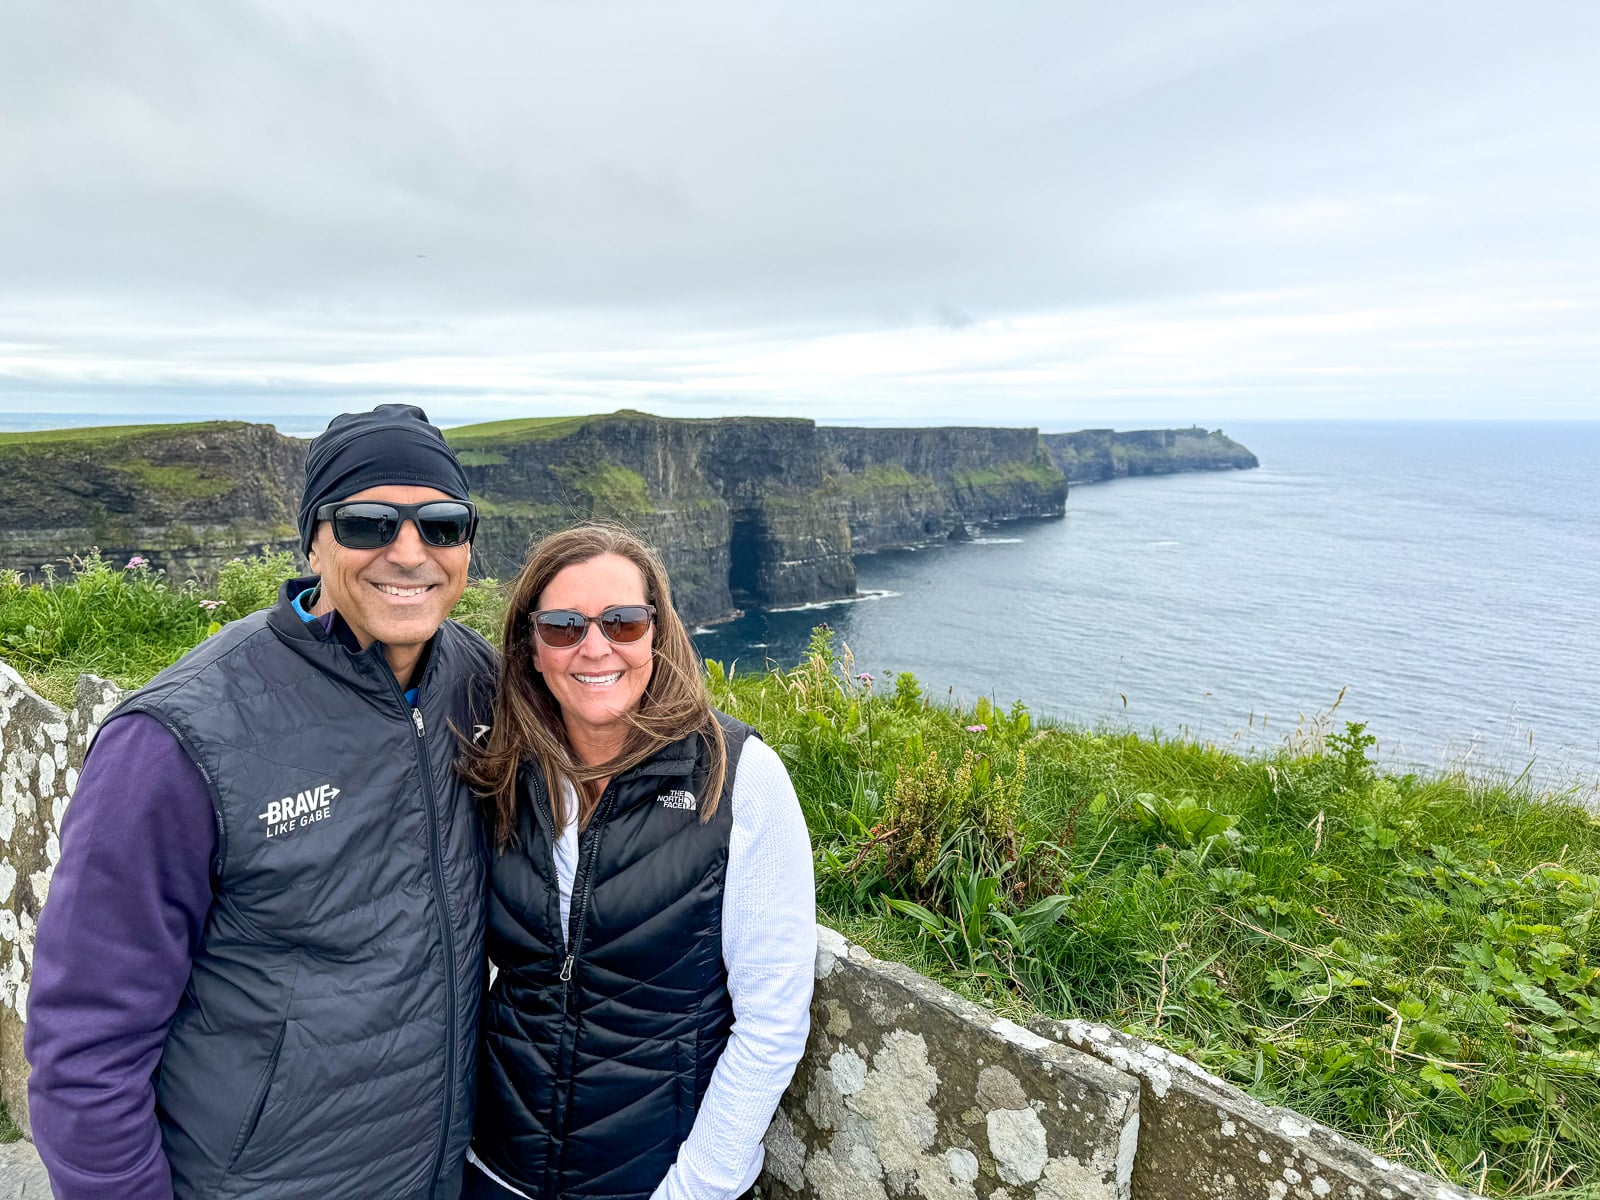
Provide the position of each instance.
(977, 729)
(137, 561)
(865, 677)
(212, 605)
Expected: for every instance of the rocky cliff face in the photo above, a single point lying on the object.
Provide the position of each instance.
(746, 511)
(188, 497)
(758, 512)
(1092, 455)
(904, 486)
(735, 506)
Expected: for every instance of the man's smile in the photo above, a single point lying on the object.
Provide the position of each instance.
(404, 592)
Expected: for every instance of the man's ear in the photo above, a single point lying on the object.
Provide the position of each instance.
(311, 554)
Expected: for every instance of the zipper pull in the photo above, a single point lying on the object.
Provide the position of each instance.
(416, 719)
(566, 968)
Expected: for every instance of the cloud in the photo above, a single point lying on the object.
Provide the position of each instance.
(1240, 205)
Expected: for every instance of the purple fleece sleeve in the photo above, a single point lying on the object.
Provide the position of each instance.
(112, 957)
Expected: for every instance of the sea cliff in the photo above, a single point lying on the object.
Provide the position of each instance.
(1094, 455)
(747, 511)
(188, 497)
(751, 511)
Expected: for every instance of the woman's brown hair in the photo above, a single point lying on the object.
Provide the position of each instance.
(527, 720)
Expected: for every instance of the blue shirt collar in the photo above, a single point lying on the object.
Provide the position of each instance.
(303, 599)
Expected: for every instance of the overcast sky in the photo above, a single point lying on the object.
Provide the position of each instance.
(1053, 213)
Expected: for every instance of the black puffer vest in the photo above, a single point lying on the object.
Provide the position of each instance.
(598, 1047)
(325, 1044)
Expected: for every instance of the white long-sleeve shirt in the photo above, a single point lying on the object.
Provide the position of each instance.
(769, 946)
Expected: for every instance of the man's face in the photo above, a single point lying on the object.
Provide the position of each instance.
(398, 594)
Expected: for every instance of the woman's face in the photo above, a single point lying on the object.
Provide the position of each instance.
(595, 681)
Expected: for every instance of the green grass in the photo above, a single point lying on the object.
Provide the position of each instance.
(126, 622)
(488, 434)
(182, 480)
(123, 623)
(109, 433)
(610, 490)
(1006, 473)
(1414, 960)
(880, 477)
(516, 429)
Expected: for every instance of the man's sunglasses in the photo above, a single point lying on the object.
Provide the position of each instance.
(369, 524)
(563, 628)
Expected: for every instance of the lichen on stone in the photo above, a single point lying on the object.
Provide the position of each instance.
(1017, 1141)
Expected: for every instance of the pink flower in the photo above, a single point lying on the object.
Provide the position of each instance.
(865, 677)
(977, 729)
(137, 561)
(212, 605)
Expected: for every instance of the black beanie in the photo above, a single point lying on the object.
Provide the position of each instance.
(392, 444)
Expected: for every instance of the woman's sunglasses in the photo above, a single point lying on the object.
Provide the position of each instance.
(369, 524)
(563, 628)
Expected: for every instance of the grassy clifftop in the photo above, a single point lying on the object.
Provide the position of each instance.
(483, 445)
(108, 434)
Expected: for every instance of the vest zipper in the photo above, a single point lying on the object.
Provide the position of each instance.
(436, 858)
(569, 1033)
(580, 887)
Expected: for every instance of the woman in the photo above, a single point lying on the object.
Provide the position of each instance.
(652, 906)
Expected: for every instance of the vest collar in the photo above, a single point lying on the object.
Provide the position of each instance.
(677, 760)
(680, 760)
(335, 651)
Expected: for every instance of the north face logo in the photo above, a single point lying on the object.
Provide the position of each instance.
(299, 810)
(677, 799)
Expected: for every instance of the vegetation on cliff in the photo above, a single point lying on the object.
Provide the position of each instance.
(188, 496)
(483, 437)
(880, 477)
(124, 621)
(131, 460)
(747, 511)
(121, 621)
(1413, 960)
(108, 434)
(1001, 474)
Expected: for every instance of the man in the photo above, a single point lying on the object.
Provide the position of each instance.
(259, 970)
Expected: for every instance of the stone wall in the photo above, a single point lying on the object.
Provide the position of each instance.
(905, 1091)
(908, 1090)
(41, 752)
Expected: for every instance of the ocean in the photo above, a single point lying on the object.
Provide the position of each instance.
(1443, 578)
